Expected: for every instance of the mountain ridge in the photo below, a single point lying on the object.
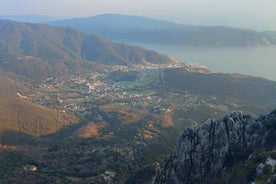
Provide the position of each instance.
(206, 152)
(28, 18)
(67, 48)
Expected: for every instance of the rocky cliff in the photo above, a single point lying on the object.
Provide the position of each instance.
(229, 150)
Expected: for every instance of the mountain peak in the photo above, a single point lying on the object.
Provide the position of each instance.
(206, 151)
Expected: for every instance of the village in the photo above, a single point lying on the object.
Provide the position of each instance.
(78, 94)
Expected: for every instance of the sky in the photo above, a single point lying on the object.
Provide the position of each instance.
(254, 14)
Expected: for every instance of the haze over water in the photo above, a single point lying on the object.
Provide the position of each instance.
(257, 61)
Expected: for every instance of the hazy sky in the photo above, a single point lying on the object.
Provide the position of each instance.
(257, 14)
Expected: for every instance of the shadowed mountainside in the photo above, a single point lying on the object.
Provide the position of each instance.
(51, 50)
(237, 86)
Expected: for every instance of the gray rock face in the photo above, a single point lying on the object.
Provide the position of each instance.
(202, 151)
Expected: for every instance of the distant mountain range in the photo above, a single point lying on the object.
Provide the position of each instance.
(48, 50)
(140, 29)
(28, 18)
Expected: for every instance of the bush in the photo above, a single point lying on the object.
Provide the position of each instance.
(246, 116)
(267, 169)
(274, 111)
(271, 137)
(273, 155)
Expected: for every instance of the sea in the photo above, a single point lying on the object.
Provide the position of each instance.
(257, 61)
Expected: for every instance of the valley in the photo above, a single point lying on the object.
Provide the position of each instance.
(125, 123)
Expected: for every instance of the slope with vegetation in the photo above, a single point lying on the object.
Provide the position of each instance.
(34, 49)
(250, 89)
(17, 114)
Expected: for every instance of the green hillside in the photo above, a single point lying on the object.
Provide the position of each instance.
(252, 90)
(50, 50)
(18, 114)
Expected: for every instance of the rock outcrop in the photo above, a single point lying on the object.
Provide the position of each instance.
(206, 151)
